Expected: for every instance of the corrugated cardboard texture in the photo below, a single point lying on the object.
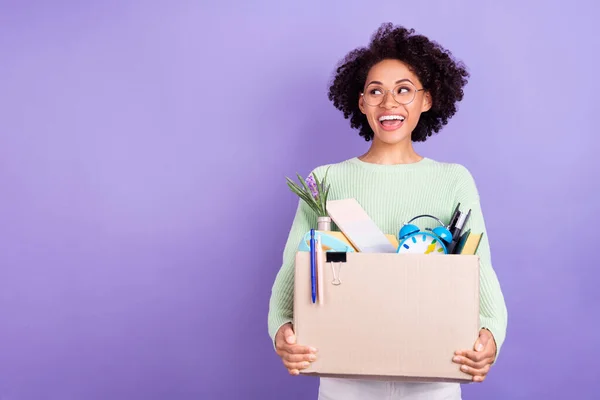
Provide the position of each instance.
(397, 317)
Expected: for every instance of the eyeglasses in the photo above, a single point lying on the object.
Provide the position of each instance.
(403, 93)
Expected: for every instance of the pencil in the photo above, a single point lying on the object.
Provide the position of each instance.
(313, 271)
(320, 262)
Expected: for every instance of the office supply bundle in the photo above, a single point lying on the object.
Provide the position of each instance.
(443, 239)
(360, 234)
(378, 309)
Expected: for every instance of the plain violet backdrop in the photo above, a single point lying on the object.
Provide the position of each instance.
(143, 154)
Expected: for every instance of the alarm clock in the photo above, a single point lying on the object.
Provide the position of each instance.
(413, 240)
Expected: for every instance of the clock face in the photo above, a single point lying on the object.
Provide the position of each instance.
(421, 243)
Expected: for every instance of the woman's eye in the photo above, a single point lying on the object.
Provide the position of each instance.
(375, 92)
(403, 90)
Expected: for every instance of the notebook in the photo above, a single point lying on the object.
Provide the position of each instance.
(358, 227)
(468, 243)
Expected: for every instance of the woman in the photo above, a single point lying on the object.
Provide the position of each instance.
(401, 89)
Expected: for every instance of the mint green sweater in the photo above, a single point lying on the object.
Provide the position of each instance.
(392, 195)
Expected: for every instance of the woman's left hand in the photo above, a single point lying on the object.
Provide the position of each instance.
(478, 362)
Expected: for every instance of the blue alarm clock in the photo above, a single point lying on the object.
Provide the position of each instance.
(413, 240)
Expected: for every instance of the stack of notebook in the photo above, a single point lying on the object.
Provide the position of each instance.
(468, 243)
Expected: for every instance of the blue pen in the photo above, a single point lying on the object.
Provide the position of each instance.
(313, 262)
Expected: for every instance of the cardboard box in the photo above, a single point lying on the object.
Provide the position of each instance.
(392, 316)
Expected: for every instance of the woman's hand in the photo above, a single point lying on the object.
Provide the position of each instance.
(295, 357)
(479, 361)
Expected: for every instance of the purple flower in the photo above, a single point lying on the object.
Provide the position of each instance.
(312, 185)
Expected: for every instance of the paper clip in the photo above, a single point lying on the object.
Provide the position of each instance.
(336, 277)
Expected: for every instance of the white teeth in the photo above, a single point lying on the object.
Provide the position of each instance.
(390, 117)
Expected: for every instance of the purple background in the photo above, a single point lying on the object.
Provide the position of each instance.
(143, 150)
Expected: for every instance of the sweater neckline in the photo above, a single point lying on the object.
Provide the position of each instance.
(389, 167)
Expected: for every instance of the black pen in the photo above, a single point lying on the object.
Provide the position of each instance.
(457, 230)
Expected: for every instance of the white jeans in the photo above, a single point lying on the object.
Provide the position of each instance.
(352, 389)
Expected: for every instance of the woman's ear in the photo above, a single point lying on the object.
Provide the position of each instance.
(427, 102)
(361, 104)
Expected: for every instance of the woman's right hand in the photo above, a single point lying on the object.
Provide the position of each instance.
(294, 356)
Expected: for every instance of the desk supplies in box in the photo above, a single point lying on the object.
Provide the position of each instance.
(384, 314)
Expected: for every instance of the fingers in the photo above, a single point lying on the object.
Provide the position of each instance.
(295, 357)
(297, 349)
(283, 347)
(479, 344)
(484, 349)
(286, 332)
(285, 338)
(479, 374)
(482, 340)
(300, 357)
(477, 364)
(475, 356)
(289, 336)
(471, 363)
(295, 362)
(295, 365)
(479, 361)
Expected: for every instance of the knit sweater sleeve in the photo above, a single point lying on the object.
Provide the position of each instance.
(493, 312)
(282, 293)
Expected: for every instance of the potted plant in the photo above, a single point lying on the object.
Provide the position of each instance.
(314, 192)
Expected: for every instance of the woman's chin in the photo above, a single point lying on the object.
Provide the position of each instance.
(392, 137)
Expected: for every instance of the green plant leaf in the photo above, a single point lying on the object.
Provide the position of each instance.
(326, 173)
(317, 181)
(319, 194)
(326, 196)
(307, 190)
(317, 203)
(303, 181)
(324, 193)
(294, 186)
(307, 201)
(306, 198)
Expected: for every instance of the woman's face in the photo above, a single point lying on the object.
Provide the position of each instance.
(390, 119)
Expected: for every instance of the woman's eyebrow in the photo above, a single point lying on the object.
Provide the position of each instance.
(397, 82)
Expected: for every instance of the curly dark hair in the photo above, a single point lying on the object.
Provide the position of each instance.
(441, 75)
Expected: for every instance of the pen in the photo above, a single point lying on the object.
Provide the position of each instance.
(457, 230)
(460, 224)
(320, 261)
(312, 265)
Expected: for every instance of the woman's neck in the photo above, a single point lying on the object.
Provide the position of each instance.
(389, 154)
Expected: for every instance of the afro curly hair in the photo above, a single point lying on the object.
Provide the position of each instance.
(441, 75)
